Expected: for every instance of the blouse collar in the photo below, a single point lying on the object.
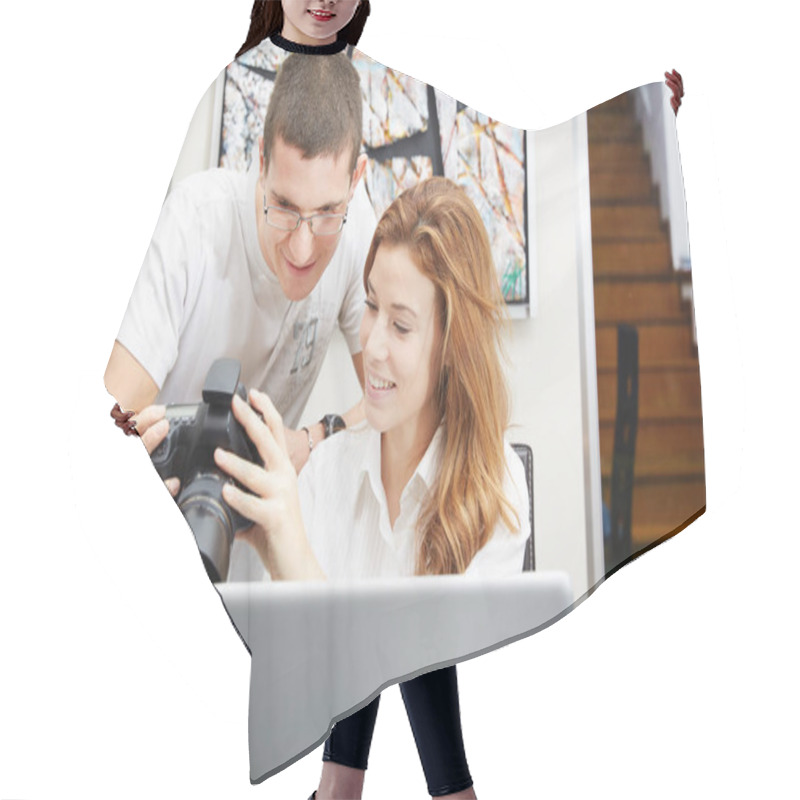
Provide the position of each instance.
(426, 470)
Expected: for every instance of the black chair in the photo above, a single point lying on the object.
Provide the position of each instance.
(526, 454)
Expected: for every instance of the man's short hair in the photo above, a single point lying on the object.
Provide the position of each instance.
(316, 107)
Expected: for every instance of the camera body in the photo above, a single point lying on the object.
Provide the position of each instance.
(187, 453)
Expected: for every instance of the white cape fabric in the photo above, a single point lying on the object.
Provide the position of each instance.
(587, 224)
(322, 651)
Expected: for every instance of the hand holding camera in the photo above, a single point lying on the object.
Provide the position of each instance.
(197, 449)
(271, 500)
(186, 453)
(153, 427)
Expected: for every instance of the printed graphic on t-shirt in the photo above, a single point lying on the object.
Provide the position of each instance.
(305, 336)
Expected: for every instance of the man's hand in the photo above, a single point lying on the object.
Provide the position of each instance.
(675, 83)
(153, 427)
(124, 420)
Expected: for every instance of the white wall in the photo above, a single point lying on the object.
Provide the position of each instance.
(545, 359)
(661, 143)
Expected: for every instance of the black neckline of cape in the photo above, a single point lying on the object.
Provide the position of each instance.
(311, 50)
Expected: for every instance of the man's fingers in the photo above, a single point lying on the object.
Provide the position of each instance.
(154, 434)
(148, 417)
(173, 485)
(123, 420)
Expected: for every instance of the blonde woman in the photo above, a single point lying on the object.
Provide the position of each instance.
(426, 485)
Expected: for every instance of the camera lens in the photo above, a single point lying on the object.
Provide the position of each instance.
(210, 521)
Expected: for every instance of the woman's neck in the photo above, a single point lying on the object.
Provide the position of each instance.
(401, 451)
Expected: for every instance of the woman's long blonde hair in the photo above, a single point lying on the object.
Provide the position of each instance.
(446, 238)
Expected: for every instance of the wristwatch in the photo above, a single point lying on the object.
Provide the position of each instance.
(332, 423)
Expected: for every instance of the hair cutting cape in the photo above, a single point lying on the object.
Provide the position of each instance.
(587, 224)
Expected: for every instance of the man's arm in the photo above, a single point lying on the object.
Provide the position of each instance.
(128, 381)
(164, 294)
(297, 441)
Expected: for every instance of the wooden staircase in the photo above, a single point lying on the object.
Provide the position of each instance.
(634, 283)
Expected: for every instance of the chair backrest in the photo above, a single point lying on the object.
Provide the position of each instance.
(526, 454)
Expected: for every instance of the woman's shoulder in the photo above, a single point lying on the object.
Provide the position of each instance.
(349, 446)
(337, 464)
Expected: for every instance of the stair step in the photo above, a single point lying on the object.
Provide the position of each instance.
(620, 185)
(627, 221)
(644, 535)
(669, 394)
(659, 507)
(606, 125)
(617, 156)
(630, 258)
(659, 345)
(663, 449)
(634, 301)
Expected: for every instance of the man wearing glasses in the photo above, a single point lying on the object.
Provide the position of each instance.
(260, 266)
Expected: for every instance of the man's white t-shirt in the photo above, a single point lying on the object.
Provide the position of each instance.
(205, 292)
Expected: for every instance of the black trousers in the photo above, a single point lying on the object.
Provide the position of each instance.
(431, 702)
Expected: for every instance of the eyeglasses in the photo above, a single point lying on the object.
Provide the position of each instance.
(285, 219)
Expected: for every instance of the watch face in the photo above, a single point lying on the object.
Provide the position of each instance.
(332, 424)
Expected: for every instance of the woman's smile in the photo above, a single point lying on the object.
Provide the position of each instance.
(379, 384)
(400, 335)
(319, 14)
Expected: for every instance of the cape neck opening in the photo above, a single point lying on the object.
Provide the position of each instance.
(311, 50)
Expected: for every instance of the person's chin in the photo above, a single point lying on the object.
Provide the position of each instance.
(377, 421)
(299, 283)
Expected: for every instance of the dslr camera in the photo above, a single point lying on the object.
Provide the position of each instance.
(188, 454)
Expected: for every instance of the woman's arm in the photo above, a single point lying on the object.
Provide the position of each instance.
(271, 500)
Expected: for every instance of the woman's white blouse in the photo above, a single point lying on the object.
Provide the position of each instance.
(346, 515)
